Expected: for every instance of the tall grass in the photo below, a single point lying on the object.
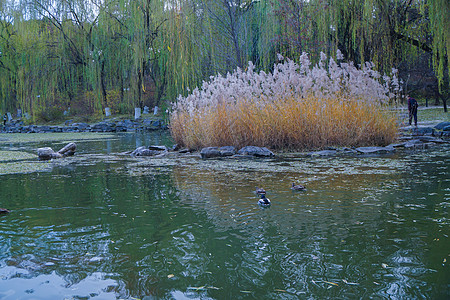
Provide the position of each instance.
(287, 124)
(294, 108)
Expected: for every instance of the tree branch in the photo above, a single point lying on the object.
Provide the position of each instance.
(413, 42)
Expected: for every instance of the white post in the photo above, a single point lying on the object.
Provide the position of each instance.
(107, 111)
(137, 113)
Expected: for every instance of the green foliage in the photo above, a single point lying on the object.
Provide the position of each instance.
(128, 53)
(49, 114)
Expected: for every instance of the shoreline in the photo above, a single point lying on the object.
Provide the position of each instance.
(107, 125)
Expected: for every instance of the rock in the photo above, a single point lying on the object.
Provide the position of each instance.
(158, 148)
(442, 126)
(431, 139)
(398, 145)
(422, 131)
(227, 151)
(47, 153)
(103, 127)
(375, 150)
(442, 129)
(323, 153)
(256, 151)
(184, 150)
(80, 126)
(144, 151)
(210, 152)
(349, 150)
(4, 211)
(68, 150)
(409, 145)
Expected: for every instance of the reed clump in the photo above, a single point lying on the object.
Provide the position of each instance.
(295, 108)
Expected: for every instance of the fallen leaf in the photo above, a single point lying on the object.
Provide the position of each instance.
(349, 283)
(331, 283)
(384, 265)
(170, 276)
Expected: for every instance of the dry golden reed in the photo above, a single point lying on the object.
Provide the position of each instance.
(287, 123)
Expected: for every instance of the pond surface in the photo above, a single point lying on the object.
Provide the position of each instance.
(105, 226)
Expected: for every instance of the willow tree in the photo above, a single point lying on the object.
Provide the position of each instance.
(202, 38)
(386, 32)
(8, 60)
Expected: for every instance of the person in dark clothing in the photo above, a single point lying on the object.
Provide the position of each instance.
(412, 108)
(5, 117)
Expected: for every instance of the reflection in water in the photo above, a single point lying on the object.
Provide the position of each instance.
(374, 227)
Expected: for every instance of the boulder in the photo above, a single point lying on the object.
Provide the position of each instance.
(443, 126)
(324, 153)
(256, 151)
(210, 152)
(144, 151)
(158, 148)
(423, 131)
(227, 151)
(47, 153)
(103, 127)
(431, 139)
(68, 150)
(375, 150)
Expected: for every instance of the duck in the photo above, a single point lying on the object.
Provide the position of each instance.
(264, 202)
(260, 191)
(297, 187)
(4, 211)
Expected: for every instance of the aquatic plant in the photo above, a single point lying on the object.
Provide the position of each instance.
(296, 107)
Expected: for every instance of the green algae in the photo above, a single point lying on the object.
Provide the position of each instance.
(20, 167)
(12, 138)
(8, 156)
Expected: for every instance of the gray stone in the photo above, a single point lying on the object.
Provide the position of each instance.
(256, 151)
(137, 113)
(323, 153)
(68, 150)
(158, 148)
(442, 126)
(47, 153)
(227, 151)
(398, 145)
(144, 151)
(422, 131)
(150, 151)
(375, 150)
(210, 152)
(431, 139)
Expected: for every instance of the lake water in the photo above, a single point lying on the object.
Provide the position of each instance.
(104, 226)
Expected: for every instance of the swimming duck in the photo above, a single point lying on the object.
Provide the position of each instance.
(260, 191)
(4, 211)
(297, 187)
(264, 202)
